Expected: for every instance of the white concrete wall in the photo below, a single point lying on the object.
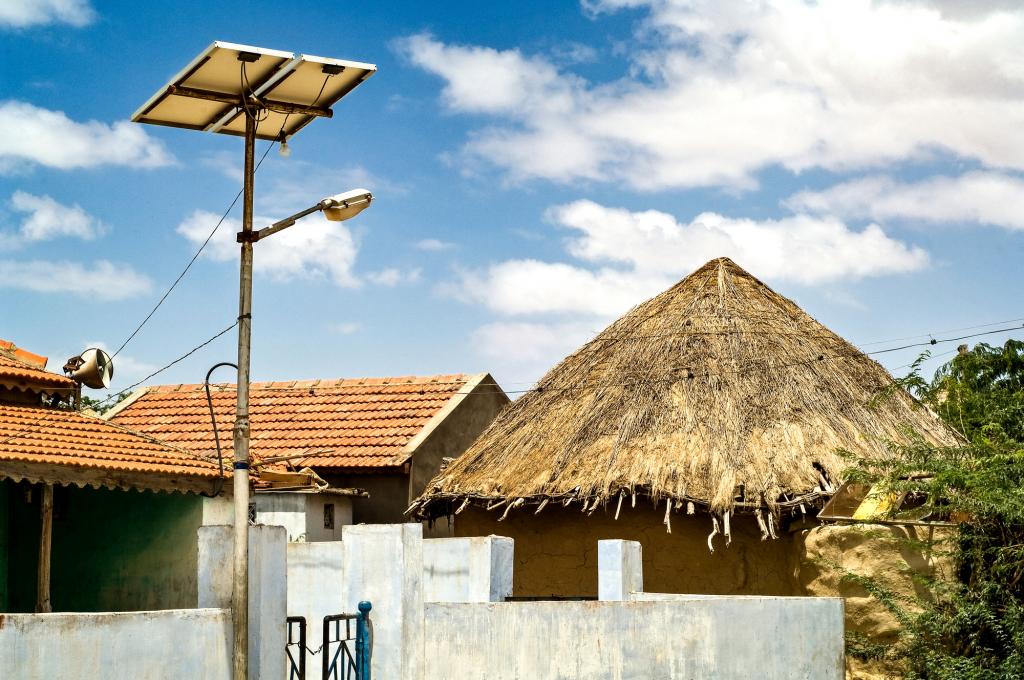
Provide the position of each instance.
(769, 638)
(620, 569)
(302, 514)
(383, 563)
(174, 644)
(268, 588)
(477, 569)
(639, 635)
(315, 529)
(286, 510)
(315, 573)
(218, 510)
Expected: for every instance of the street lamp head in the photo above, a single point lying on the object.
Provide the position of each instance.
(347, 205)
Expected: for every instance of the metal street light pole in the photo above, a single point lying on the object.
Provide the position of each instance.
(335, 208)
(211, 94)
(240, 589)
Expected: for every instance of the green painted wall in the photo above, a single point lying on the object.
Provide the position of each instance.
(4, 534)
(112, 550)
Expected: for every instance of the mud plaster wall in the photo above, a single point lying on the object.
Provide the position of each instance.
(556, 552)
(890, 555)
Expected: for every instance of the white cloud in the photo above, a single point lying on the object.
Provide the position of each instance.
(33, 135)
(977, 197)
(46, 218)
(574, 53)
(25, 13)
(488, 80)
(313, 247)
(629, 256)
(392, 276)
(102, 280)
(346, 328)
(434, 245)
(524, 351)
(528, 341)
(720, 91)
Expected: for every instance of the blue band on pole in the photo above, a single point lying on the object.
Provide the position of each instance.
(241, 465)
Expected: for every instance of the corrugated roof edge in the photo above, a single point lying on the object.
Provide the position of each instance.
(472, 382)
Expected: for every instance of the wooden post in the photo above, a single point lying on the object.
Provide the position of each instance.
(45, 540)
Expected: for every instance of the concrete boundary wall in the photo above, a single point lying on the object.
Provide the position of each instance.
(770, 638)
(620, 569)
(438, 609)
(383, 563)
(315, 580)
(268, 589)
(174, 643)
(477, 569)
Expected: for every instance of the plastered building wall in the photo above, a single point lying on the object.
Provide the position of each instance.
(112, 550)
(303, 514)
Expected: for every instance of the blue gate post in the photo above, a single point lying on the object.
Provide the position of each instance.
(364, 640)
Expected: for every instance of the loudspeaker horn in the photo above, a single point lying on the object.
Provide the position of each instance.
(93, 368)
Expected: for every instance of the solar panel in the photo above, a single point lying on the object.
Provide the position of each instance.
(289, 89)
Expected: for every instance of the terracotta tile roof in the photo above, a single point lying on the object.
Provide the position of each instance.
(25, 370)
(352, 423)
(36, 434)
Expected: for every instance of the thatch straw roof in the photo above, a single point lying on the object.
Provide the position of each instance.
(718, 393)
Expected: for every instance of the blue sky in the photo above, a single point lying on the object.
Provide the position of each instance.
(539, 168)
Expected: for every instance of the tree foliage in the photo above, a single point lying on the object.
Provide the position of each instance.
(973, 626)
(982, 386)
(101, 406)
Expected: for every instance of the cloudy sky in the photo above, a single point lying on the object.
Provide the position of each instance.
(539, 167)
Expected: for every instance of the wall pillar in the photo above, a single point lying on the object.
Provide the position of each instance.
(268, 587)
(619, 569)
(476, 569)
(314, 588)
(383, 563)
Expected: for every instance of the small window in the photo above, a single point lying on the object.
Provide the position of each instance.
(329, 516)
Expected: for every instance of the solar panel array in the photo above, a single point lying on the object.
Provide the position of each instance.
(211, 93)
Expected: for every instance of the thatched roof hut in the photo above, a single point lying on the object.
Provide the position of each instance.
(718, 394)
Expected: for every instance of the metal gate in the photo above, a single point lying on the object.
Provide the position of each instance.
(347, 653)
(346, 649)
(295, 647)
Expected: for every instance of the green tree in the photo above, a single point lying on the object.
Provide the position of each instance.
(981, 386)
(972, 627)
(101, 406)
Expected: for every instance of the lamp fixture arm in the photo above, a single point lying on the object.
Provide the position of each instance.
(280, 225)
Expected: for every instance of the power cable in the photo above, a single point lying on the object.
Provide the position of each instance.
(691, 374)
(213, 419)
(949, 330)
(34, 427)
(192, 261)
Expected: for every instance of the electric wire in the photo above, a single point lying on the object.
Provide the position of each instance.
(192, 261)
(206, 242)
(35, 426)
(853, 352)
(496, 388)
(213, 420)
